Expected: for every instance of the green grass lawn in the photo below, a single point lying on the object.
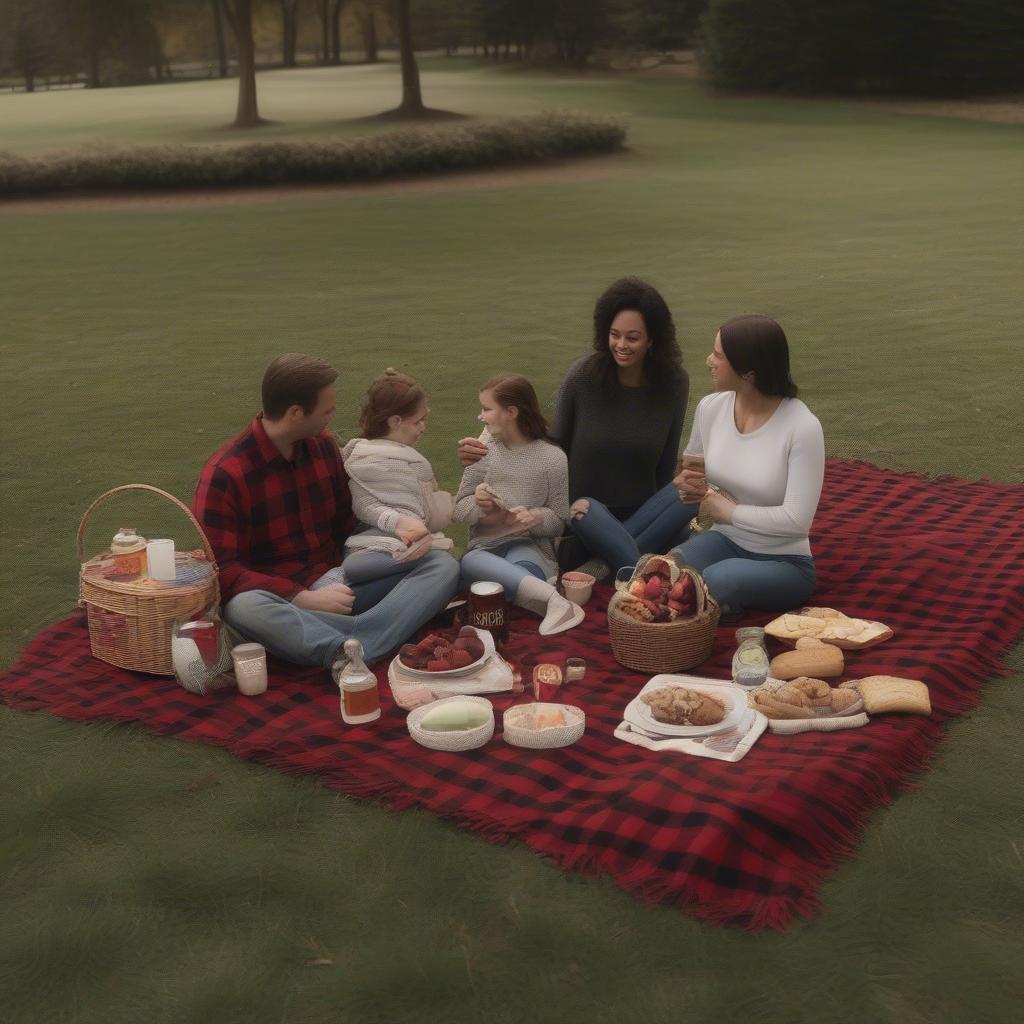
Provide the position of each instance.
(144, 879)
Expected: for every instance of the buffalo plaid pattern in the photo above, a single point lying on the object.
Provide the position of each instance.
(274, 524)
(942, 562)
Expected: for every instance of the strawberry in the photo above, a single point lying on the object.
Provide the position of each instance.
(652, 589)
(461, 658)
(438, 665)
(476, 648)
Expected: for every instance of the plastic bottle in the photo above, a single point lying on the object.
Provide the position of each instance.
(750, 662)
(360, 701)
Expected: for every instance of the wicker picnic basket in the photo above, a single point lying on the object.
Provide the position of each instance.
(130, 622)
(664, 646)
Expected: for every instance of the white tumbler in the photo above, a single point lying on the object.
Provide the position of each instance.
(160, 559)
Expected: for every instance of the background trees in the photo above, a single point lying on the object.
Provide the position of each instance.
(944, 47)
(845, 46)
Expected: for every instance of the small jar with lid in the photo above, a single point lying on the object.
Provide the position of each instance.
(360, 701)
(129, 551)
(750, 662)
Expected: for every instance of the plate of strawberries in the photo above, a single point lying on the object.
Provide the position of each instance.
(436, 655)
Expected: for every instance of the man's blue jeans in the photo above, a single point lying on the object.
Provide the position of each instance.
(655, 526)
(739, 579)
(386, 613)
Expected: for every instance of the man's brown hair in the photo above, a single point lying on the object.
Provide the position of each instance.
(294, 379)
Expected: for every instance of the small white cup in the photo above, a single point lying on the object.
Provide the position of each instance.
(160, 559)
(578, 586)
(250, 668)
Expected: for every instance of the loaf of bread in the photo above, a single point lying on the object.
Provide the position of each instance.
(892, 693)
(812, 657)
(830, 626)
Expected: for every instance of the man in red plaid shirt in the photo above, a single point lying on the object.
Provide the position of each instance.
(275, 505)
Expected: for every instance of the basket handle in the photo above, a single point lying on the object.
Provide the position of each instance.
(701, 588)
(163, 494)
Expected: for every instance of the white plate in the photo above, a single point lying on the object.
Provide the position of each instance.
(735, 700)
(419, 673)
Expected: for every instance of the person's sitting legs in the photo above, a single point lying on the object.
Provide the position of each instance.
(661, 522)
(738, 579)
(602, 534)
(522, 578)
(315, 638)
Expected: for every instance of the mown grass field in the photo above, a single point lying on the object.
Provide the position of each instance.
(146, 879)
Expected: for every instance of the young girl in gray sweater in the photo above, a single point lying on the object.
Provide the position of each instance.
(516, 502)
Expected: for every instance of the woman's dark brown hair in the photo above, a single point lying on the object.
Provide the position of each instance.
(391, 394)
(663, 363)
(294, 379)
(513, 390)
(757, 344)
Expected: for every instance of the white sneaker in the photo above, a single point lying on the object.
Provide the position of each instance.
(561, 615)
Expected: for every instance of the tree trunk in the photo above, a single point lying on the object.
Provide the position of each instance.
(94, 68)
(323, 11)
(336, 32)
(289, 31)
(239, 13)
(218, 33)
(412, 98)
(369, 27)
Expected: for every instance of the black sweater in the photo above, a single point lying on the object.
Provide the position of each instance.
(621, 449)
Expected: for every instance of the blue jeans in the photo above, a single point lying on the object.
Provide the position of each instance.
(740, 579)
(386, 613)
(655, 526)
(507, 564)
(368, 566)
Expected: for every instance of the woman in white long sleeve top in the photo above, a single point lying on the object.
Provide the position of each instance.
(764, 447)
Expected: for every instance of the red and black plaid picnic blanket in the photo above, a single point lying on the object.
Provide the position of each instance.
(941, 561)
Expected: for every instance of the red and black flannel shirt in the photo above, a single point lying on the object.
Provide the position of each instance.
(274, 524)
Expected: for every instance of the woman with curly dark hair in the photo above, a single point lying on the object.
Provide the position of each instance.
(619, 416)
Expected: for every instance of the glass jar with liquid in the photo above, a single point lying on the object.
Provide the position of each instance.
(360, 701)
(129, 551)
(750, 662)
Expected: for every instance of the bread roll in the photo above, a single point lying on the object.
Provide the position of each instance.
(821, 661)
(891, 693)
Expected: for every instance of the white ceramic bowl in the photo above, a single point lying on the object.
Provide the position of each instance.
(485, 638)
(543, 739)
(456, 739)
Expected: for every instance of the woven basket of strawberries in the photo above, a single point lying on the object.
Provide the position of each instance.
(663, 619)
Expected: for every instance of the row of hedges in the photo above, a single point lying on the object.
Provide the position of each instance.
(923, 47)
(409, 151)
